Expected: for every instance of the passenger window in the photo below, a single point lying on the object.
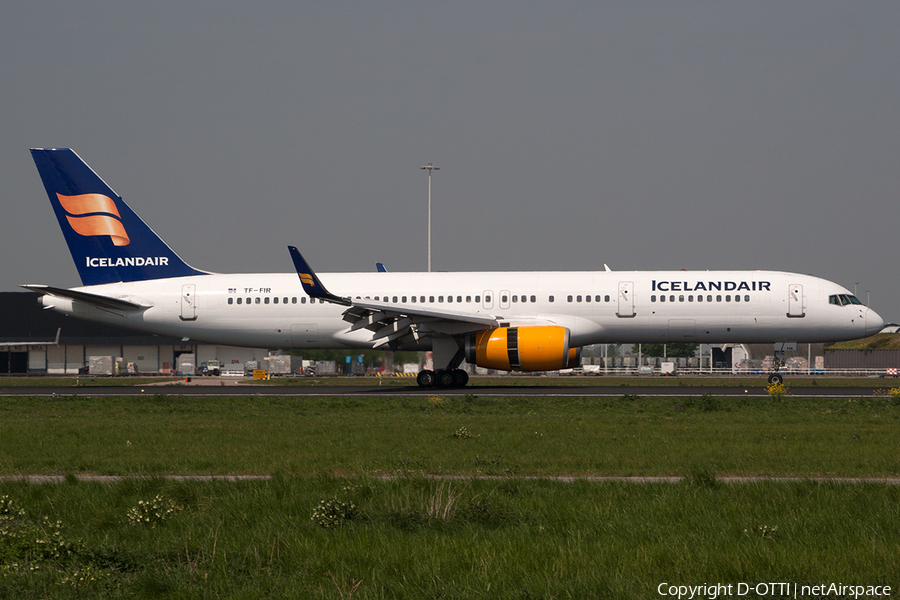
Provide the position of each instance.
(681, 298)
(459, 298)
(449, 298)
(551, 299)
(478, 299)
(266, 300)
(699, 298)
(515, 298)
(606, 298)
(239, 301)
(578, 298)
(534, 298)
(587, 298)
(747, 298)
(727, 297)
(718, 297)
(691, 298)
(487, 299)
(414, 299)
(431, 298)
(403, 298)
(422, 299)
(653, 298)
(468, 298)
(231, 301)
(569, 298)
(662, 298)
(672, 298)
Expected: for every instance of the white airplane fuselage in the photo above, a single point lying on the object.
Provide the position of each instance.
(508, 321)
(272, 310)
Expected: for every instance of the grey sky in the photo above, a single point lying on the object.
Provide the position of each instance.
(646, 135)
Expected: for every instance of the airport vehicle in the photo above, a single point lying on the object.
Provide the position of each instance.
(514, 321)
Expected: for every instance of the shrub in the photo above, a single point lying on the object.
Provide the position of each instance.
(153, 512)
(332, 513)
(777, 391)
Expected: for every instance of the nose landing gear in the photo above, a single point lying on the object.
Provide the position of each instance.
(776, 377)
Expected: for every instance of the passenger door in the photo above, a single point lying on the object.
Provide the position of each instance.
(189, 302)
(795, 301)
(626, 299)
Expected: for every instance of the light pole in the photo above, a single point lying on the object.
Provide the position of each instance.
(429, 167)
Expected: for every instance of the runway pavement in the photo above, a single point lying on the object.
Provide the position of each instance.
(199, 387)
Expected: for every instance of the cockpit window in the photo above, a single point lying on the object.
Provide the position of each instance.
(843, 299)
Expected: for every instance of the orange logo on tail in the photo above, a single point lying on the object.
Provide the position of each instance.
(307, 279)
(106, 223)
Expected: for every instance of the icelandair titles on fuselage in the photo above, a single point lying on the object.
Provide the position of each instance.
(709, 286)
(131, 261)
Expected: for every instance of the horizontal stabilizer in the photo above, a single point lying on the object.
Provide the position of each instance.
(85, 297)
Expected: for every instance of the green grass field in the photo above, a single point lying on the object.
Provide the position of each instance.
(352, 509)
(170, 434)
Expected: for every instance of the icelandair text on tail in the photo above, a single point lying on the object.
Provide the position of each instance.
(711, 591)
(137, 261)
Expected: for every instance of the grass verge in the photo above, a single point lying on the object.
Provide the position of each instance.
(327, 537)
(464, 435)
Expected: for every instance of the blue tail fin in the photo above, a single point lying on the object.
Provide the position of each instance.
(108, 241)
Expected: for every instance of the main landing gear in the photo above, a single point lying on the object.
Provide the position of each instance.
(449, 353)
(444, 378)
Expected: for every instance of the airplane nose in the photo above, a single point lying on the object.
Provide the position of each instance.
(874, 322)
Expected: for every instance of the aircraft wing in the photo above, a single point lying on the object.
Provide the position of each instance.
(388, 321)
(85, 297)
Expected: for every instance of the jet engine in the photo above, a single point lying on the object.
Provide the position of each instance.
(543, 348)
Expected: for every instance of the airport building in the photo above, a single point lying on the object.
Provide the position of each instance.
(39, 341)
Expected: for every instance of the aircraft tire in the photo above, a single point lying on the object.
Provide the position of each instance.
(460, 378)
(446, 379)
(776, 378)
(426, 378)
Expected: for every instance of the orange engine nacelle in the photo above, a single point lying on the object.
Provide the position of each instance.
(544, 348)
